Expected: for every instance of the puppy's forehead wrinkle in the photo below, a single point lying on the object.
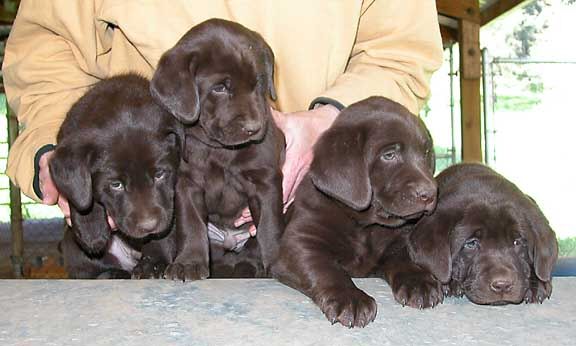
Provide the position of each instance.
(491, 223)
(122, 144)
(238, 67)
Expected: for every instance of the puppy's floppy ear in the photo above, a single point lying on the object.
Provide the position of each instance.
(175, 130)
(429, 244)
(71, 174)
(269, 66)
(173, 84)
(340, 169)
(91, 228)
(542, 243)
(70, 171)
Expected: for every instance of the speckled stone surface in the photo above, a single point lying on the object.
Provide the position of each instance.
(260, 312)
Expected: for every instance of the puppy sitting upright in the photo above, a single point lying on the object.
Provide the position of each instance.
(486, 240)
(117, 153)
(372, 172)
(217, 80)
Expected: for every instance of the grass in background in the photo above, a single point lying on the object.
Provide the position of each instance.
(567, 247)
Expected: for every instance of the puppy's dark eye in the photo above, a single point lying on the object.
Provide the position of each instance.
(519, 242)
(389, 155)
(159, 175)
(471, 244)
(117, 185)
(221, 88)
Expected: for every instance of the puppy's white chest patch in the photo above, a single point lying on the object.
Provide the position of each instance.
(126, 256)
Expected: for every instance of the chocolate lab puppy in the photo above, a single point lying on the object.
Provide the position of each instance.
(372, 173)
(486, 240)
(217, 80)
(117, 153)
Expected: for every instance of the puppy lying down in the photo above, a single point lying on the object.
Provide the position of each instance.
(117, 153)
(486, 240)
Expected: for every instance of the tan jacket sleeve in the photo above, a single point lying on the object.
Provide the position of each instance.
(44, 74)
(398, 47)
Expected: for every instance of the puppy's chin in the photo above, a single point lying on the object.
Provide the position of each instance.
(477, 293)
(133, 233)
(240, 141)
(390, 221)
(233, 140)
(493, 300)
(387, 217)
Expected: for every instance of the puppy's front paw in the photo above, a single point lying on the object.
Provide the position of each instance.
(538, 292)
(417, 289)
(148, 269)
(186, 271)
(351, 307)
(453, 289)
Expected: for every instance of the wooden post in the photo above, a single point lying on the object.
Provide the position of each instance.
(16, 227)
(470, 72)
(8, 9)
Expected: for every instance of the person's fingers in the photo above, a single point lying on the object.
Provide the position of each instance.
(287, 205)
(288, 179)
(64, 206)
(301, 131)
(252, 230)
(244, 218)
(49, 192)
(294, 171)
(298, 179)
(279, 119)
(239, 222)
(112, 223)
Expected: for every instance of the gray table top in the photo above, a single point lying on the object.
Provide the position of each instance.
(260, 312)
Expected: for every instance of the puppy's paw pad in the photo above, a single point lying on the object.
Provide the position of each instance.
(417, 290)
(186, 271)
(351, 308)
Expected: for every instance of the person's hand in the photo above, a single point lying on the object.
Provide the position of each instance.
(302, 130)
(50, 193)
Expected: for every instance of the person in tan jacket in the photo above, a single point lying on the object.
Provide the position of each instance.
(329, 54)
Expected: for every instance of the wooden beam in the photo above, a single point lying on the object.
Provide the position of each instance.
(449, 36)
(460, 9)
(497, 9)
(470, 72)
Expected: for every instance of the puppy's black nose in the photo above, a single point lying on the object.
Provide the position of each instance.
(251, 127)
(501, 286)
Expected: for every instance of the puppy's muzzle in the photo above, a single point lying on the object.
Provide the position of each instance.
(252, 127)
(427, 196)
